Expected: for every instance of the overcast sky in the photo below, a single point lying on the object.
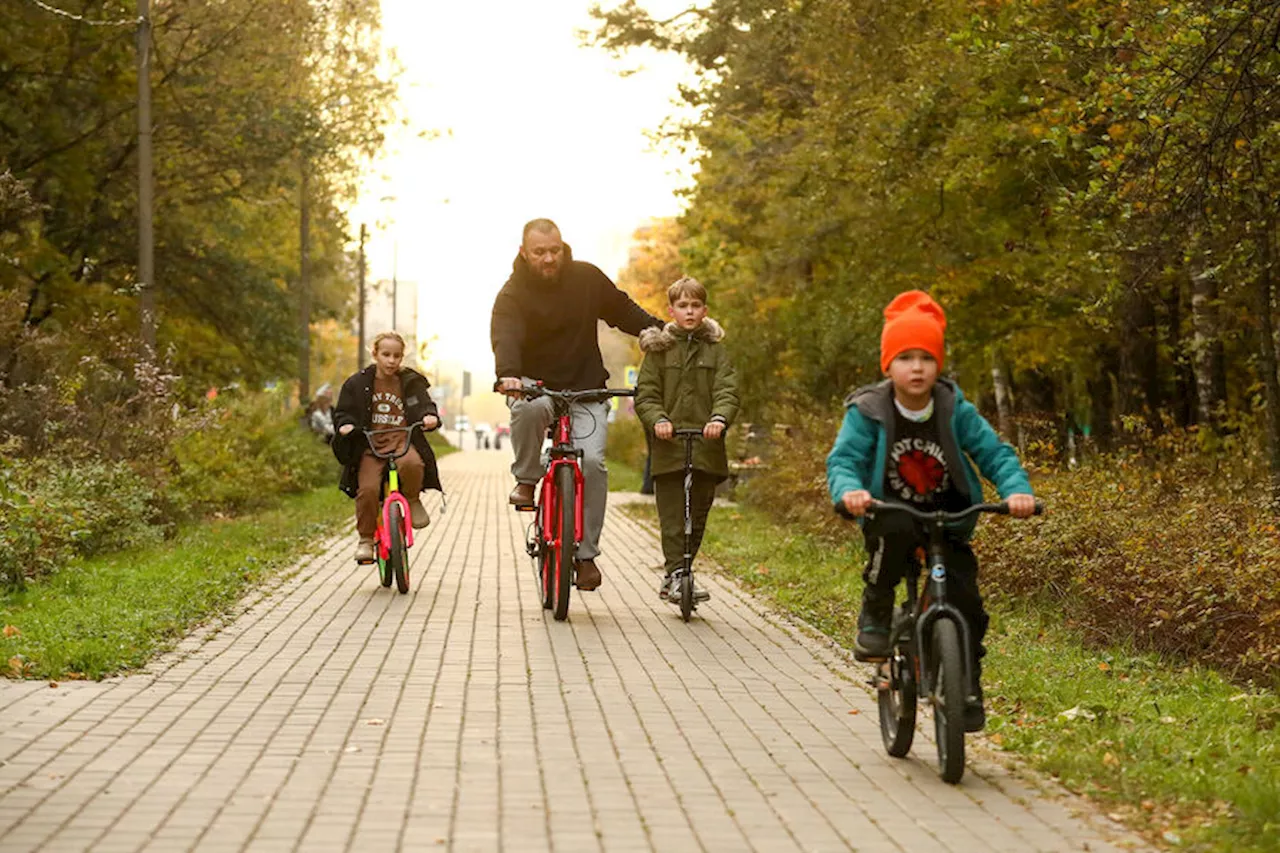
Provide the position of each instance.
(534, 125)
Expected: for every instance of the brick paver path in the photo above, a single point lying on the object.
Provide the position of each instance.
(336, 715)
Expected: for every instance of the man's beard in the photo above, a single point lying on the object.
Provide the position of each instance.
(547, 278)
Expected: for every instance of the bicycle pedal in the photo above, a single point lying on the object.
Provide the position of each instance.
(365, 562)
(524, 507)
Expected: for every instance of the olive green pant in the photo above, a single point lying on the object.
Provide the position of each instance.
(669, 492)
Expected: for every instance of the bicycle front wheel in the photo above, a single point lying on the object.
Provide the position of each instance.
(384, 566)
(948, 700)
(566, 493)
(399, 558)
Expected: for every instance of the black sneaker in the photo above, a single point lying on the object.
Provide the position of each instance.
(872, 642)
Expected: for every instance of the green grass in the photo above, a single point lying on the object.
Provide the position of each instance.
(97, 617)
(624, 478)
(1177, 752)
(439, 445)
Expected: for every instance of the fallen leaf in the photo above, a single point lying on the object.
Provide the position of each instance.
(1168, 721)
(12, 631)
(1104, 666)
(1110, 760)
(1078, 713)
(53, 684)
(375, 722)
(997, 739)
(855, 711)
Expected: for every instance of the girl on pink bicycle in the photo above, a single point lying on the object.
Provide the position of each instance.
(384, 394)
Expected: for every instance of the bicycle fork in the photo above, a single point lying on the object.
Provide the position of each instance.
(939, 608)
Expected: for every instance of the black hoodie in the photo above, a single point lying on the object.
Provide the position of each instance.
(547, 329)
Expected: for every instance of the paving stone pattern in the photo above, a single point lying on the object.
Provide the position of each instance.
(336, 715)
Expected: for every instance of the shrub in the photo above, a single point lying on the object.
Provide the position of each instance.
(241, 453)
(1160, 543)
(626, 443)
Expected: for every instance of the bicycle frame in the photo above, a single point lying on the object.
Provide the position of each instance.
(392, 493)
(562, 453)
(926, 610)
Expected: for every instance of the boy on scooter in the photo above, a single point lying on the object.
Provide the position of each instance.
(686, 381)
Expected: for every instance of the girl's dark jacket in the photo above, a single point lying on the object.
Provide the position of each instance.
(355, 406)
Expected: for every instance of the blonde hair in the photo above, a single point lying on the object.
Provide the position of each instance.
(687, 287)
(382, 336)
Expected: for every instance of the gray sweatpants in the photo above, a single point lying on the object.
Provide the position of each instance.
(529, 422)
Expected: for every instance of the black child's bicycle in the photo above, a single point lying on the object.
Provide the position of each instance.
(931, 650)
(682, 578)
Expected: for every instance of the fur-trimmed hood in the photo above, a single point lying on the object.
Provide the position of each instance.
(660, 339)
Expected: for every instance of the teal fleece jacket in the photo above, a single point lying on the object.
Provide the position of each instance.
(860, 454)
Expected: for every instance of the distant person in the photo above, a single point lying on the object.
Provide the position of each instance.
(910, 439)
(686, 382)
(320, 413)
(385, 394)
(544, 328)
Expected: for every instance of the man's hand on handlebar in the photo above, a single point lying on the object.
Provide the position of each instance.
(430, 422)
(713, 430)
(1021, 506)
(856, 502)
(345, 429)
(510, 385)
(664, 430)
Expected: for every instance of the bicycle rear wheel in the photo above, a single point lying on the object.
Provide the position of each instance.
(896, 692)
(686, 595)
(546, 559)
(566, 491)
(399, 558)
(948, 700)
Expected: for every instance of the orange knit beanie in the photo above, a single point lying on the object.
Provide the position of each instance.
(912, 321)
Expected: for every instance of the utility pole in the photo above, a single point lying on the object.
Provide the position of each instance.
(360, 333)
(146, 235)
(304, 291)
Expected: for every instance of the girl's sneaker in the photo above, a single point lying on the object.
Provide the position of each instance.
(364, 551)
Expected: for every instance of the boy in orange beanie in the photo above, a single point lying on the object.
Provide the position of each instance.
(911, 439)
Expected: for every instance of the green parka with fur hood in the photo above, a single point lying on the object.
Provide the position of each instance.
(686, 378)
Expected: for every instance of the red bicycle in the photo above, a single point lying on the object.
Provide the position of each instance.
(557, 525)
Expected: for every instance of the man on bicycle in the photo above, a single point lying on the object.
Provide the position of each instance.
(544, 327)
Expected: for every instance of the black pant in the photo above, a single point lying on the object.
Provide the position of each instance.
(891, 541)
(669, 493)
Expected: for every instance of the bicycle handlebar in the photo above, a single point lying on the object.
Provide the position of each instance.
(1001, 508)
(407, 430)
(688, 431)
(593, 395)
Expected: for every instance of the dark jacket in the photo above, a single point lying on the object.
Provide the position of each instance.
(859, 457)
(355, 406)
(687, 379)
(547, 330)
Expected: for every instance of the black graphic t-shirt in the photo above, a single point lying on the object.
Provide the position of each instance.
(916, 472)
